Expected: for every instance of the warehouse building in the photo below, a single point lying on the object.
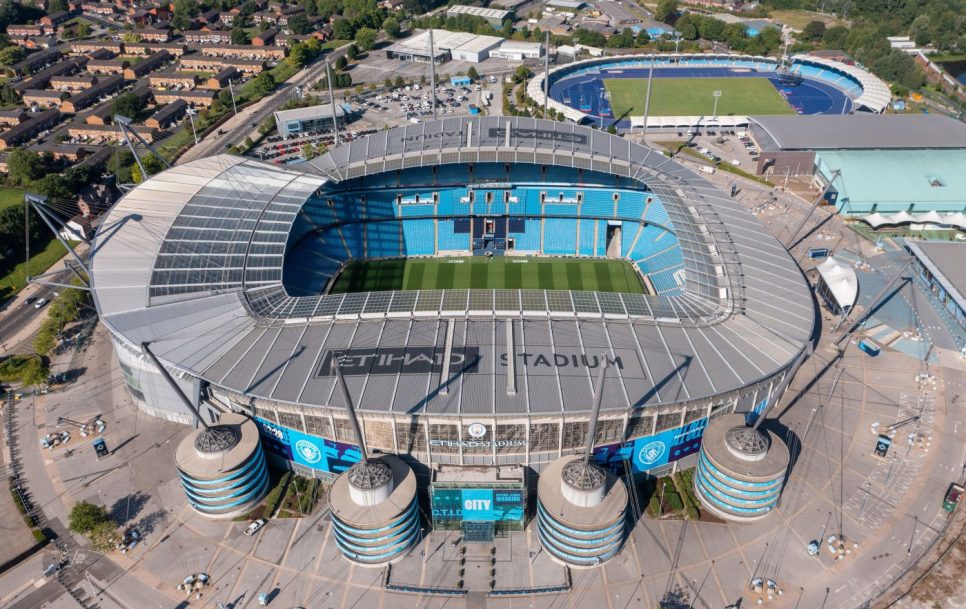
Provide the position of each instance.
(460, 46)
(493, 16)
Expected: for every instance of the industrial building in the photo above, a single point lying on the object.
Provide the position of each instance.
(493, 16)
(459, 46)
(941, 266)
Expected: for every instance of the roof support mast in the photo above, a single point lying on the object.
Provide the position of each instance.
(432, 73)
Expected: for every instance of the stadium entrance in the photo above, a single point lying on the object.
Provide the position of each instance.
(480, 502)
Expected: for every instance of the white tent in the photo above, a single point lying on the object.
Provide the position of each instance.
(841, 282)
(876, 220)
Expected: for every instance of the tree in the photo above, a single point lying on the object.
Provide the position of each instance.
(521, 74)
(57, 6)
(343, 80)
(391, 27)
(84, 517)
(128, 104)
(472, 73)
(45, 340)
(642, 38)
(341, 62)
(299, 55)
(151, 164)
(835, 37)
(183, 14)
(132, 37)
(84, 30)
(264, 83)
(352, 52)
(666, 11)
(366, 38)
(343, 30)
(239, 35)
(11, 55)
(299, 24)
(814, 30)
(104, 536)
(24, 167)
(399, 82)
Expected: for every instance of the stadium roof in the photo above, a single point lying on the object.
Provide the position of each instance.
(191, 259)
(858, 131)
(875, 95)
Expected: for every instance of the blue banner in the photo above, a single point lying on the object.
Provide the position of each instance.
(654, 451)
(308, 451)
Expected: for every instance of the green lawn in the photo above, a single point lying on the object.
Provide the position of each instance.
(15, 280)
(693, 96)
(11, 197)
(502, 272)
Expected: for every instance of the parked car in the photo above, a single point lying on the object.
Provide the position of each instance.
(255, 526)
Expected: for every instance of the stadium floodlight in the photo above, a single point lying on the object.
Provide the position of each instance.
(716, 95)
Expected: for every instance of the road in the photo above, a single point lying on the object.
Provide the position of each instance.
(17, 317)
(241, 125)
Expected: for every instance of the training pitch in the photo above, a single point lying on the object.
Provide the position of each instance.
(693, 96)
(478, 272)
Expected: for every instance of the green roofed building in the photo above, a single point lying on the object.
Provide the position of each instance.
(890, 181)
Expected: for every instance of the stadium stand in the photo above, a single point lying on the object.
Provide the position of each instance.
(533, 212)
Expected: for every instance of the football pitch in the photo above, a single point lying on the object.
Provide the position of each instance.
(693, 96)
(479, 272)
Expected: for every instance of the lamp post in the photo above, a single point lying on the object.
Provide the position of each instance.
(716, 94)
(191, 118)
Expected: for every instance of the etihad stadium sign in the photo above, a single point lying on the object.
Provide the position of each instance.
(463, 360)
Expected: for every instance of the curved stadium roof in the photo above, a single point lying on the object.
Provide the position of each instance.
(191, 262)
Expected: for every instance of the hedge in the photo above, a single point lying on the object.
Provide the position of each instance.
(674, 500)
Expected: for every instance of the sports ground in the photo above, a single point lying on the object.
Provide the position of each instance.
(693, 96)
(479, 272)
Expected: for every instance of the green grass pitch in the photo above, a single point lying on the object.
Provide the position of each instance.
(478, 272)
(692, 96)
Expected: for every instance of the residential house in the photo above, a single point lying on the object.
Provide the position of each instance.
(43, 98)
(168, 115)
(72, 83)
(9, 118)
(89, 97)
(221, 78)
(193, 97)
(265, 38)
(22, 132)
(147, 66)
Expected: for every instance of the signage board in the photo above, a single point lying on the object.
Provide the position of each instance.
(478, 504)
(655, 451)
(308, 451)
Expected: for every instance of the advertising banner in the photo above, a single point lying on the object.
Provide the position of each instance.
(478, 504)
(308, 451)
(654, 451)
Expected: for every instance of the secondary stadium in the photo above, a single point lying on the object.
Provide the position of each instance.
(469, 276)
(611, 91)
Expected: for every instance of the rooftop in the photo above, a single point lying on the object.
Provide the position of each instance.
(945, 261)
(892, 178)
(858, 131)
(445, 41)
(311, 112)
(508, 474)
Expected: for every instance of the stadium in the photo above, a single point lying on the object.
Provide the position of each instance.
(611, 91)
(455, 352)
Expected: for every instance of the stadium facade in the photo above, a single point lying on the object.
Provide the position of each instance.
(221, 265)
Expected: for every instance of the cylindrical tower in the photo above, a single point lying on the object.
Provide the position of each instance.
(222, 468)
(374, 512)
(741, 470)
(580, 512)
